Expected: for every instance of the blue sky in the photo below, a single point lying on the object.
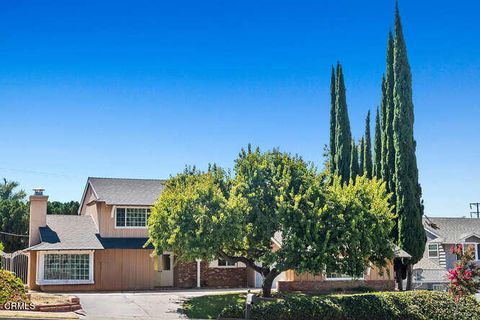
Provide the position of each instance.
(141, 88)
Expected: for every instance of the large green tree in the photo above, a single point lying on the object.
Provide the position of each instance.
(57, 207)
(337, 227)
(343, 135)
(367, 152)
(332, 120)
(409, 207)
(13, 216)
(377, 147)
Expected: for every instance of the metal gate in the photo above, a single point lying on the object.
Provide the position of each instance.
(16, 262)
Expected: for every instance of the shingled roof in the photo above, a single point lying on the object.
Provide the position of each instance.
(68, 232)
(452, 230)
(119, 191)
(72, 232)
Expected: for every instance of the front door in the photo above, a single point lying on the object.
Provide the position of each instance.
(164, 277)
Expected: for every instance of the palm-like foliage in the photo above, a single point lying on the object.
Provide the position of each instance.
(8, 191)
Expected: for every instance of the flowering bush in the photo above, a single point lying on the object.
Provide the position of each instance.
(465, 277)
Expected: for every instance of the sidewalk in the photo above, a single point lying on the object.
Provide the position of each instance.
(6, 314)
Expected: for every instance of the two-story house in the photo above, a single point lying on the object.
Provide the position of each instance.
(103, 248)
(442, 233)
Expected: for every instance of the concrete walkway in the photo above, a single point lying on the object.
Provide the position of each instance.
(141, 305)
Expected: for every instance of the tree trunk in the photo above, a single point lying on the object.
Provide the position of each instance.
(409, 276)
(398, 276)
(267, 284)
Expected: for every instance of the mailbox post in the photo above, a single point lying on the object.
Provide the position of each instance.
(248, 307)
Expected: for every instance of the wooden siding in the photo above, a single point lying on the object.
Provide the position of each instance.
(32, 270)
(107, 225)
(114, 269)
(102, 215)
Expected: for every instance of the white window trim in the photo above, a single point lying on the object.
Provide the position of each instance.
(41, 265)
(344, 279)
(129, 207)
(475, 244)
(428, 250)
(214, 264)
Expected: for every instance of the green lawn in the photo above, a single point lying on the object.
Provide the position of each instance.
(208, 307)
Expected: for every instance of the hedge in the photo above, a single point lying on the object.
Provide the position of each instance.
(411, 305)
(12, 288)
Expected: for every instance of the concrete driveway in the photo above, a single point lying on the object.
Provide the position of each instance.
(140, 305)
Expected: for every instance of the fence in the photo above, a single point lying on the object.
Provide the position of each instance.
(16, 262)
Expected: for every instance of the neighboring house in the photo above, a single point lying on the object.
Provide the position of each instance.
(443, 233)
(103, 248)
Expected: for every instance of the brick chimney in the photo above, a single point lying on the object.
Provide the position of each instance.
(38, 215)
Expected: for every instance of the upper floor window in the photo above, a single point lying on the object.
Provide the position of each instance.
(433, 250)
(131, 217)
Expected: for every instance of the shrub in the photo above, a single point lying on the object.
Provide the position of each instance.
(12, 288)
(412, 305)
(465, 277)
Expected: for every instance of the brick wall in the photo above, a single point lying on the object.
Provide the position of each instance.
(333, 286)
(223, 277)
(185, 276)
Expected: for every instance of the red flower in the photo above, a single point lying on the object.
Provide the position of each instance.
(452, 274)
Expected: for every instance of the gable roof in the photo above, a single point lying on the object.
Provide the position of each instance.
(120, 191)
(428, 264)
(452, 230)
(68, 232)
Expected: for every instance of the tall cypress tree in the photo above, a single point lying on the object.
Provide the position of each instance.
(332, 121)
(343, 135)
(367, 152)
(388, 154)
(377, 146)
(409, 208)
(354, 162)
(361, 151)
(383, 123)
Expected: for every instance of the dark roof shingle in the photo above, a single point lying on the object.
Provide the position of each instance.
(68, 232)
(117, 191)
(452, 230)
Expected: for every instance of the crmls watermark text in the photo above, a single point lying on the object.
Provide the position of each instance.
(18, 306)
